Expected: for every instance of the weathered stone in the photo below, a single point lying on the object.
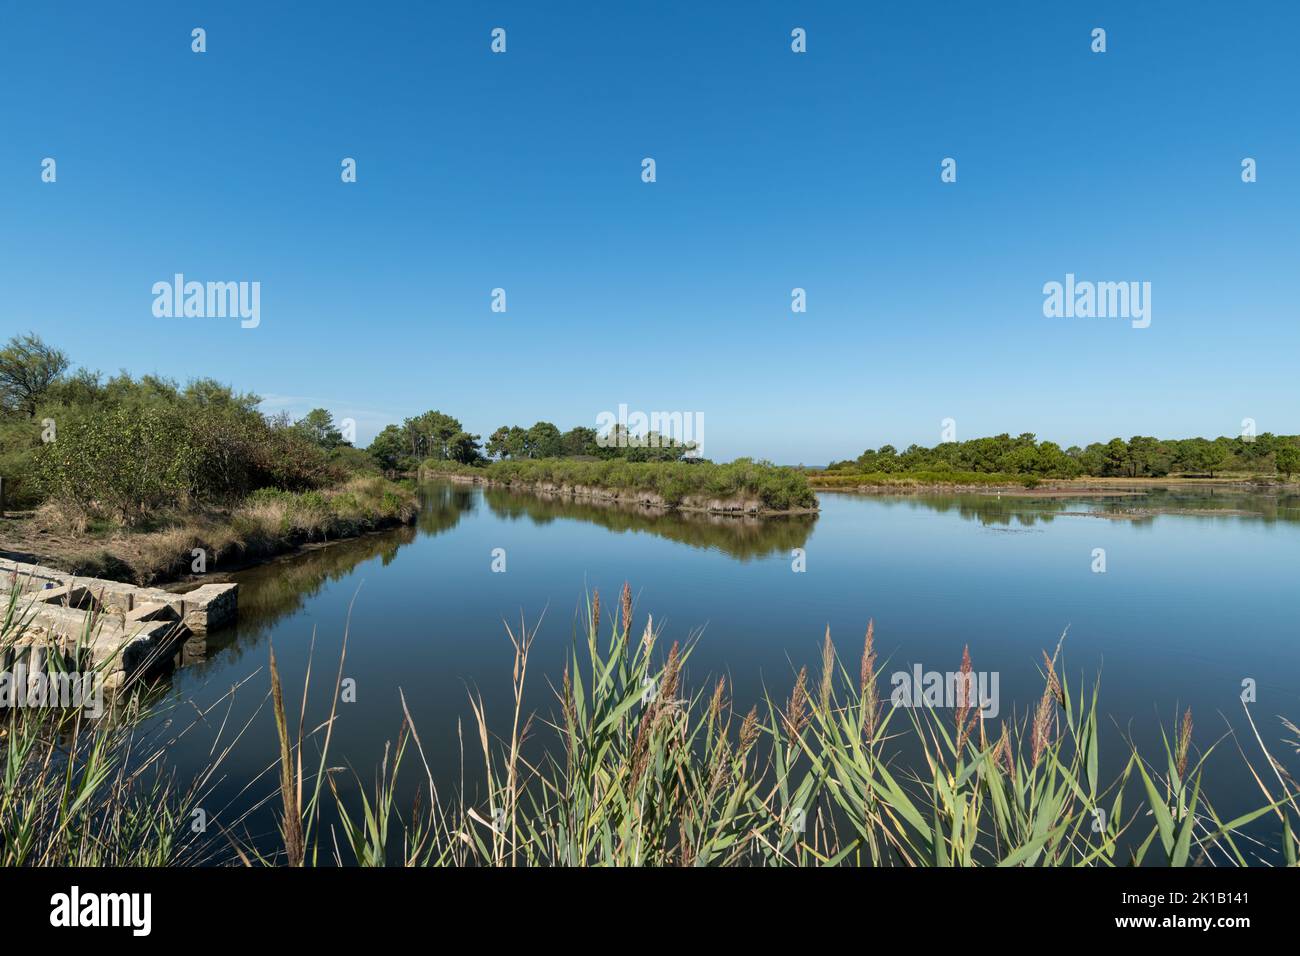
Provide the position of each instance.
(210, 607)
(108, 624)
(71, 595)
(151, 612)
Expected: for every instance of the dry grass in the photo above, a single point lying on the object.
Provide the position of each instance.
(268, 522)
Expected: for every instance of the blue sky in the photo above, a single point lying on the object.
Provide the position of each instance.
(775, 170)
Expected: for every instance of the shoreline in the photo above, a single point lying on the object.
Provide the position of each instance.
(190, 545)
(224, 565)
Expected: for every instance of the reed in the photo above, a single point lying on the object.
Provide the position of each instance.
(633, 768)
(91, 786)
(636, 770)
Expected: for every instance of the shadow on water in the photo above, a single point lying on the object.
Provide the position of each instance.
(273, 591)
(1025, 511)
(739, 537)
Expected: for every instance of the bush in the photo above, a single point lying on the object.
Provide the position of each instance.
(118, 463)
(132, 448)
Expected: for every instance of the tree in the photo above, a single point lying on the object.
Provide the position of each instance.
(318, 427)
(1288, 460)
(28, 367)
(579, 441)
(1218, 455)
(498, 443)
(1205, 457)
(543, 441)
(1141, 455)
(1116, 456)
(389, 449)
(119, 463)
(433, 434)
(508, 441)
(463, 447)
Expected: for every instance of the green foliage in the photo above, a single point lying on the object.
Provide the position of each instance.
(28, 367)
(352, 461)
(129, 448)
(318, 427)
(19, 442)
(1288, 460)
(1139, 457)
(124, 448)
(440, 437)
(118, 462)
(545, 440)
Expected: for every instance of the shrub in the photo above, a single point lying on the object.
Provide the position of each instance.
(119, 463)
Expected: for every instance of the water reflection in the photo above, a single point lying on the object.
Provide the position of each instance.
(741, 537)
(986, 509)
(282, 588)
(1140, 507)
(273, 591)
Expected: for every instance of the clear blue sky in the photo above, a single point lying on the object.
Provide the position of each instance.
(775, 170)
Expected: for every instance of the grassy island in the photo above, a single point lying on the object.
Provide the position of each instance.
(742, 485)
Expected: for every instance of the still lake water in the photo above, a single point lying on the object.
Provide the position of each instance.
(1189, 607)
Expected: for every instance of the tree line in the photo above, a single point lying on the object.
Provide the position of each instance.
(441, 437)
(1139, 457)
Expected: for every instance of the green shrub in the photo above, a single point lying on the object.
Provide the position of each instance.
(119, 463)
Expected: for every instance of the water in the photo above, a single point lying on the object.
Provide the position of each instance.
(1189, 606)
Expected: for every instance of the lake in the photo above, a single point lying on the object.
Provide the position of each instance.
(1190, 605)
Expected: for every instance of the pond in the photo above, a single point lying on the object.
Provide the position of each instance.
(1195, 602)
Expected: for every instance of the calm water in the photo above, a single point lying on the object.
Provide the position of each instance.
(1189, 606)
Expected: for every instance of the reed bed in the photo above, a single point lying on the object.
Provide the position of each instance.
(633, 768)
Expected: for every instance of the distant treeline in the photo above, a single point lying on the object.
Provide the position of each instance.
(1138, 457)
(438, 436)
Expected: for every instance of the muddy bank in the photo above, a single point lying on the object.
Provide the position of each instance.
(132, 558)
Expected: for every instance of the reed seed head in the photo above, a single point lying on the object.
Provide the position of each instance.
(828, 670)
(1184, 742)
(796, 708)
